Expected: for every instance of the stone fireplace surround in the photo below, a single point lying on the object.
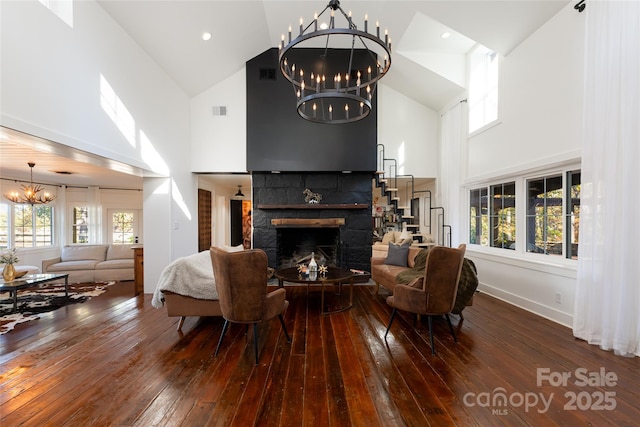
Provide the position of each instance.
(278, 201)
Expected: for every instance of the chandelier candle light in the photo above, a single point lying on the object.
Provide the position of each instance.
(349, 99)
(30, 193)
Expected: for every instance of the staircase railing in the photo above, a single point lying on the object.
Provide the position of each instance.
(382, 182)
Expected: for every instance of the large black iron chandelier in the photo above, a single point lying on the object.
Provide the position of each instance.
(30, 193)
(334, 70)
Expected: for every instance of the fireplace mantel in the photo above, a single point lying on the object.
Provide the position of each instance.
(307, 222)
(317, 206)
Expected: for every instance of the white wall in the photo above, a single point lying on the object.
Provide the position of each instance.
(53, 78)
(541, 84)
(409, 133)
(219, 143)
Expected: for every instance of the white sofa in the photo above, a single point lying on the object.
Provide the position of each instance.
(93, 263)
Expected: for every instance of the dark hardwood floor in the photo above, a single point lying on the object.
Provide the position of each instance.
(117, 361)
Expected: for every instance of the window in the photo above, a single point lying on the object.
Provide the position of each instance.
(479, 227)
(545, 224)
(123, 226)
(80, 226)
(502, 218)
(483, 87)
(550, 217)
(493, 216)
(32, 225)
(4, 226)
(573, 213)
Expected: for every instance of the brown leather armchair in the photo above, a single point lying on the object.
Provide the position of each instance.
(241, 280)
(435, 292)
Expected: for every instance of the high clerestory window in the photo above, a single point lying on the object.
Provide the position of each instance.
(483, 87)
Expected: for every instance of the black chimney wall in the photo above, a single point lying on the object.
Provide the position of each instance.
(278, 139)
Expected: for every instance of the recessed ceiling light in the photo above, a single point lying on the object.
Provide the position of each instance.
(445, 35)
(206, 36)
(324, 25)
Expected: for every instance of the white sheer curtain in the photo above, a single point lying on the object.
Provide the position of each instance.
(95, 215)
(452, 160)
(607, 311)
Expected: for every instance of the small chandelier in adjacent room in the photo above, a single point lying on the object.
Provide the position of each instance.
(30, 193)
(239, 193)
(334, 70)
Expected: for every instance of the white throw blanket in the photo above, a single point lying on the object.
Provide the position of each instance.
(190, 276)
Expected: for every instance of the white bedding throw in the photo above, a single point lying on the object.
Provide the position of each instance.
(190, 276)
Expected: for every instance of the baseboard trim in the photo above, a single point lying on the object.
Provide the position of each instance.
(557, 316)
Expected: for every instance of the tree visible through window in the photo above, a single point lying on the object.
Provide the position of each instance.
(544, 215)
(503, 216)
(33, 225)
(493, 216)
(4, 226)
(479, 226)
(80, 224)
(123, 228)
(573, 213)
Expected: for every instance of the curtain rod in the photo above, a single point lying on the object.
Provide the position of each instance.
(29, 182)
(67, 186)
(454, 106)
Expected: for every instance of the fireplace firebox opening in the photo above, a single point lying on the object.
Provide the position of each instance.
(295, 245)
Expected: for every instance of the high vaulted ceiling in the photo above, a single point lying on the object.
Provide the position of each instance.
(425, 67)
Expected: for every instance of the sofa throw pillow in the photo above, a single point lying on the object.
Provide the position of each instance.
(120, 252)
(397, 255)
(83, 253)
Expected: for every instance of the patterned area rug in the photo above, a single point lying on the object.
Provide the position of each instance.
(49, 297)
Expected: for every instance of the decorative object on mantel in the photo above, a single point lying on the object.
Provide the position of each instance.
(8, 258)
(30, 193)
(348, 98)
(311, 197)
(313, 265)
(323, 270)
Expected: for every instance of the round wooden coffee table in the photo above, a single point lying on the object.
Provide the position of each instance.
(334, 276)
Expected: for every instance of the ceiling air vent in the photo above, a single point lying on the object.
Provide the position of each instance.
(268, 74)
